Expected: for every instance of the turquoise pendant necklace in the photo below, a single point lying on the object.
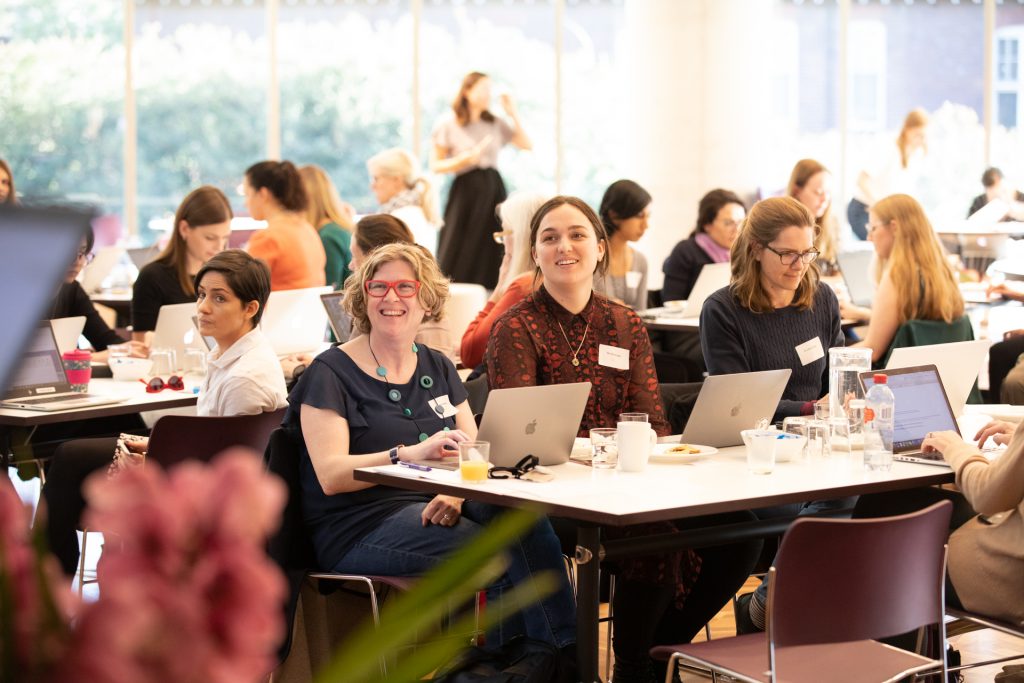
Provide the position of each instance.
(395, 396)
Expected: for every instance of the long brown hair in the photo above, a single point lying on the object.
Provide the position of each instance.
(926, 287)
(917, 118)
(324, 205)
(561, 200)
(460, 105)
(828, 230)
(766, 220)
(203, 206)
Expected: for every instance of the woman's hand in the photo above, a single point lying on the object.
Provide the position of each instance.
(508, 104)
(940, 442)
(138, 349)
(1001, 433)
(442, 511)
(435, 447)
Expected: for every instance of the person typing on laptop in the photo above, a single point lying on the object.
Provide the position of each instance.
(564, 332)
(382, 398)
(244, 378)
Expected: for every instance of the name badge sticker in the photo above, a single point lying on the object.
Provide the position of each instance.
(810, 351)
(633, 278)
(613, 357)
(442, 406)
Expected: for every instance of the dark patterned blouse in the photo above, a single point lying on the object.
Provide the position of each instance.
(528, 347)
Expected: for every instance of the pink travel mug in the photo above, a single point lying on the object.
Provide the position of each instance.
(78, 365)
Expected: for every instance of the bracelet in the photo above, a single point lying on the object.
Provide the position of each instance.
(393, 453)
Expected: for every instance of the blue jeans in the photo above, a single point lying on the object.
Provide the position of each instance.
(402, 546)
(857, 214)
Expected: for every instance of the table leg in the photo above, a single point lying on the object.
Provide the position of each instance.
(588, 540)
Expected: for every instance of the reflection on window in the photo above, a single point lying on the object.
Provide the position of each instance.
(1006, 61)
(1006, 109)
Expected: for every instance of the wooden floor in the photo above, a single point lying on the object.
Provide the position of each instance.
(974, 647)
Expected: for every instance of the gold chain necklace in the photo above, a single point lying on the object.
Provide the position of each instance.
(576, 353)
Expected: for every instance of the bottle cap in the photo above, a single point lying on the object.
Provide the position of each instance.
(881, 378)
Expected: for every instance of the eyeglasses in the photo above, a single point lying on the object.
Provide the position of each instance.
(85, 255)
(517, 471)
(403, 288)
(788, 258)
(156, 385)
(501, 235)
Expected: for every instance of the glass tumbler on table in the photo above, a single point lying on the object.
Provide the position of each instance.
(474, 461)
(606, 448)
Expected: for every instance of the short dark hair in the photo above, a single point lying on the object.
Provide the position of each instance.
(624, 199)
(991, 176)
(247, 276)
(379, 229)
(712, 203)
(283, 181)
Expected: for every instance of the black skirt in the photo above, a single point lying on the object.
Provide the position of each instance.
(467, 251)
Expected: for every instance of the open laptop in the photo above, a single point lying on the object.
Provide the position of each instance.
(103, 262)
(855, 267)
(40, 382)
(712, 277)
(921, 407)
(541, 421)
(295, 320)
(337, 316)
(67, 331)
(728, 404)
(141, 256)
(176, 329)
(958, 362)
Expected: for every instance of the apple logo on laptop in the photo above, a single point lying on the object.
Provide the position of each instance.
(531, 427)
(736, 409)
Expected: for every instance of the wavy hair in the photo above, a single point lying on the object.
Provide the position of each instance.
(828, 229)
(324, 205)
(917, 118)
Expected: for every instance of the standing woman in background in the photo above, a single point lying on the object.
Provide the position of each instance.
(403, 191)
(332, 219)
(625, 209)
(810, 183)
(289, 244)
(467, 144)
(7, 193)
(202, 226)
(895, 173)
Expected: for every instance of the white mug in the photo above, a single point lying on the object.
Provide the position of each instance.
(634, 440)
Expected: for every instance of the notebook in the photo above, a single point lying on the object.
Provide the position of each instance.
(855, 267)
(295, 320)
(921, 407)
(958, 362)
(40, 383)
(337, 316)
(540, 420)
(176, 330)
(67, 331)
(728, 404)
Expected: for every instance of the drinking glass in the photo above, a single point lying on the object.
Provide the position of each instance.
(761, 451)
(474, 459)
(817, 439)
(839, 437)
(606, 447)
(195, 362)
(844, 367)
(119, 350)
(164, 361)
(821, 410)
(797, 425)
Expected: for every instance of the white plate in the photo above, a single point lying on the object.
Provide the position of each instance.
(660, 453)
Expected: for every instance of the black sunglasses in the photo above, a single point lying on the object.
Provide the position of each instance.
(523, 467)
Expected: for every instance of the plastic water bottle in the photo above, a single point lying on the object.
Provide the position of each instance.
(880, 406)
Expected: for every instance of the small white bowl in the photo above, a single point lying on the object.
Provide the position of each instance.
(787, 447)
(130, 369)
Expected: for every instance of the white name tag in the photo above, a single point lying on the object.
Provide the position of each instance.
(613, 357)
(810, 351)
(633, 279)
(442, 406)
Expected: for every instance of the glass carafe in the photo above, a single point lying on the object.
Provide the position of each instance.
(844, 368)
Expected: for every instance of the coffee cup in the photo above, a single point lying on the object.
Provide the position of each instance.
(78, 367)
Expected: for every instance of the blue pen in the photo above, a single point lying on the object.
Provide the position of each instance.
(415, 466)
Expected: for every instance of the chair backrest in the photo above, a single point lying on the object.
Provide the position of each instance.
(839, 580)
(465, 300)
(188, 437)
(925, 332)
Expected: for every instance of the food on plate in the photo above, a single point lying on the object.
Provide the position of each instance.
(684, 448)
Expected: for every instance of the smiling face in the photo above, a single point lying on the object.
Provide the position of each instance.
(816, 194)
(726, 226)
(221, 314)
(205, 241)
(775, 277)
(391, 314)
(566, 248)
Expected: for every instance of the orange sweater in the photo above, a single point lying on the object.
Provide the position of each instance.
(294, 253)
(474, 340)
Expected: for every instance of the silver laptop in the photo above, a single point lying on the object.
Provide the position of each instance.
(295, 321)
(855, 267)
(958, 362)
(728, 404)
(40, 382)
(141, 256)
(921, 407)
(541, 421)
(67, 331)
(337, 316)
(176, 330)
(102, 265)
(712, 278)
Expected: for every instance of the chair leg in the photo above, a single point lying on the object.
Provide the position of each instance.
(81, 564)
(611, 615)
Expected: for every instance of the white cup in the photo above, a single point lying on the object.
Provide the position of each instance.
(761, 450)
(634, 440)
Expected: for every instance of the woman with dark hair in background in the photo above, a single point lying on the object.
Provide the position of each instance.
(718, 222)
(7, 193)
(202, 226)
(624, 211)
(467, 144)
(810, 183)
(289, 244)
(333, 222)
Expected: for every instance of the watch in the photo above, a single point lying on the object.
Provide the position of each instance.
(298, 370)
(393, 453)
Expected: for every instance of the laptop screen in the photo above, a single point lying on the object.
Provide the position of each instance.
(341, 321)
(40, 364)
(921, 405)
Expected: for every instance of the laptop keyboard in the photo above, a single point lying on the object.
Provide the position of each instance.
(51, 399)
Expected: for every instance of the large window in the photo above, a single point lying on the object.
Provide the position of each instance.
(201, 84)
(1008, 92)
(62, 85)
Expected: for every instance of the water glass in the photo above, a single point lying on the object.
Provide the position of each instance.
(195, 362)
(119, 350)
(817, 439)
(761, 450)
(839, 437)
(797, 425)
(633, 417)
(165, 362)
(474, 459)
(606, 448)
(821, 410)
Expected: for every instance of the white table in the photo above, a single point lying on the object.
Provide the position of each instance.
(719, 483)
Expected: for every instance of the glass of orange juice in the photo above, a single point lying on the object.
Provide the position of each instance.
(474, 461)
